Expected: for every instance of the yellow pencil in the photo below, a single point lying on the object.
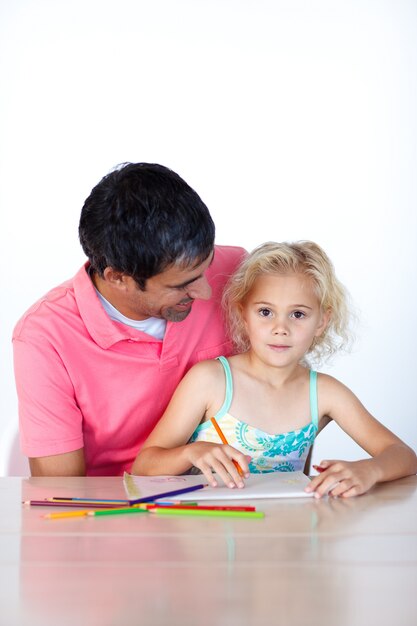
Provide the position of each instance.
(224, 440)
(136, 508)
(65, 514)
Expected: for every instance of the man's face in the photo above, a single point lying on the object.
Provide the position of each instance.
(168, 295)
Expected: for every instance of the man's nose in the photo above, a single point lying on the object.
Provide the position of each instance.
(199, 289)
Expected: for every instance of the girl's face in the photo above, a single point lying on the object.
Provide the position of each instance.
(282, 317)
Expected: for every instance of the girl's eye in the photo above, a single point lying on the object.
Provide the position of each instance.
(264, 312)
(298, 315)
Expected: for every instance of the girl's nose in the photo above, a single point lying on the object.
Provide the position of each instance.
(280, 328)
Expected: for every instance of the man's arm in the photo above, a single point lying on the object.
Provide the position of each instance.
(68, 464)
(50, 419)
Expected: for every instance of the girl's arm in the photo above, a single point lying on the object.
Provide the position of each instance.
(166, 450)
(391, 457)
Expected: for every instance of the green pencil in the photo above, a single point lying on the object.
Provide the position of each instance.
(116, 511)
(211, 513)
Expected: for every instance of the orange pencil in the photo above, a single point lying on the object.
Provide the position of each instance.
(224, 440)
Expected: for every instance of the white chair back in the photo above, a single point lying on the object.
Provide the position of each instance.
(12, 461)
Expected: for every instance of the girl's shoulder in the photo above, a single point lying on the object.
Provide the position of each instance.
(328, 381)
(331, 388)
(206, 371)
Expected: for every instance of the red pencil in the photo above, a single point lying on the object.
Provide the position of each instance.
(204, 508)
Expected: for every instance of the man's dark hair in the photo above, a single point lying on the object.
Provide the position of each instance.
(141, 218)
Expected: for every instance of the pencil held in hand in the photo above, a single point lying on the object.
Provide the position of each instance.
(224, 440)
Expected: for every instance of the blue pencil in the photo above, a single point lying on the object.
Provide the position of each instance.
(167, 494)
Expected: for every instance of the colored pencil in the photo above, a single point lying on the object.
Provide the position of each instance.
(128, 510)
(65, 514)
(167, 494)
(105, 503)
(202, 508)
(89, 513)
(96, 505)
(175, 503)
(71, 504)
(66, 498)
(224, 440)
(203, 512)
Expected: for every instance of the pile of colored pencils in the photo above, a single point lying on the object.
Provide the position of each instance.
(92, 507)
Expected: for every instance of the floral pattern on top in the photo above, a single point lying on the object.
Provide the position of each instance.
(286, 452)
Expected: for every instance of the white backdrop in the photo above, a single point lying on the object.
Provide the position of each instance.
(293, 119)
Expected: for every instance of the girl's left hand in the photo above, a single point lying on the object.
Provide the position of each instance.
(343, 478)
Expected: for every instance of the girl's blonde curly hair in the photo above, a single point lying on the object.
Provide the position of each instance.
(300, 257)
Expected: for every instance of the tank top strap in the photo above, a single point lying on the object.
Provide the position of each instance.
(229, 386)
(314, 406)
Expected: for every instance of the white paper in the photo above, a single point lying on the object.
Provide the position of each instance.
(257, 486)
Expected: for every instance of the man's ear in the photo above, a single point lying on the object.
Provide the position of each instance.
(324, 320)
(114, 278)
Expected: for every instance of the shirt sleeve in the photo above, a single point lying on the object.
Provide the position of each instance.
(50, 420)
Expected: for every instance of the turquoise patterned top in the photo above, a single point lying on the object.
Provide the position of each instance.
(286, 452)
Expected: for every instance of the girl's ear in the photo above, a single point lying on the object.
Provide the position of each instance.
(244, 325)
(323, 322)
(240, 310)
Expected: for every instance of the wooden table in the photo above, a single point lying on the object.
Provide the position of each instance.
(330, 562)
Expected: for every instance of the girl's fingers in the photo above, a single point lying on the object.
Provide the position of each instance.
(325, 463)
(225, 472)
(341, 488)
(232, 470)
(341, 479)
(224, 469)
(223, 460)
(237, 457)
(326, 490)
(353, 491)
(239, 470)
(228, 458)
(236, 464)
(206, 470)
(315, 482)
(327, 483)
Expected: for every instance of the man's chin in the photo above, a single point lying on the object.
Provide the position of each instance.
(171, 315)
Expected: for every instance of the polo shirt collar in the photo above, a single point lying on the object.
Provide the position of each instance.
(104, 331)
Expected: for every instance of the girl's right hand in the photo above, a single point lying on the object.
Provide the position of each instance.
(214, 457)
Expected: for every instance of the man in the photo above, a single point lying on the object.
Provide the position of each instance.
(98, 358)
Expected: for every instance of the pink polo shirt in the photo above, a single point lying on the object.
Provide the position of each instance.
(85, 381)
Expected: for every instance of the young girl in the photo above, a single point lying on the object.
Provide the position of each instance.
(284, 304)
